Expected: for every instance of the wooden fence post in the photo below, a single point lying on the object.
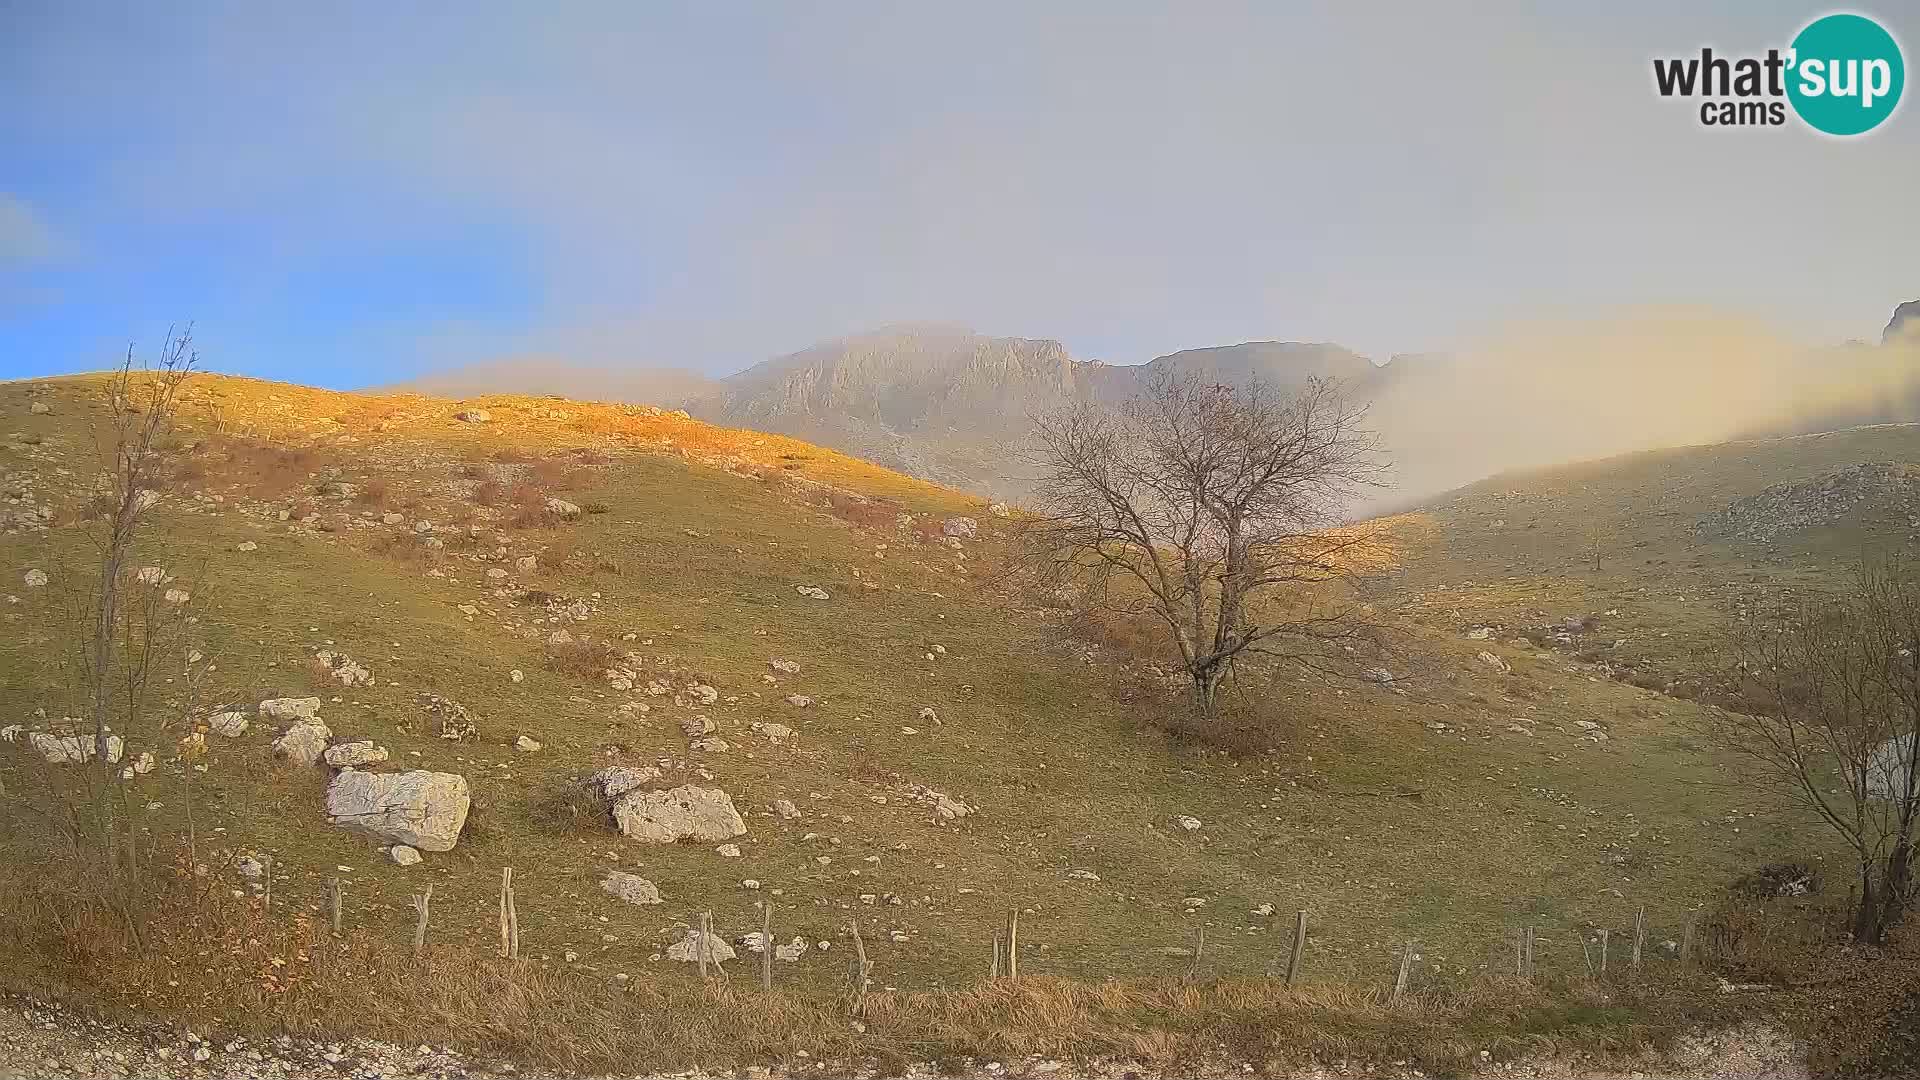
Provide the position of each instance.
(1686, 942)
(766, 944)
(334, 899)
(1604, 935)
(268, 874)
(1639, 936)
(506, 920)
(420, 902)
(1406, 966)
(513, 919)
(1529, 952)
(1295, 961)
(999, 944)
(861, 968)
(700, 941)
(1199, 950)
(1013, 943)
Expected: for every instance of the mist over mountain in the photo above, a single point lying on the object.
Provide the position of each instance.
(952, 405)
(955, 406)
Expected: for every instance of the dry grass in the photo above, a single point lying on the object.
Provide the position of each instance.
(405, 546)
(557, 474)
(179, 947)
(254, 467)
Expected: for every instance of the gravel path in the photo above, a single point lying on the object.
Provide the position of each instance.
(39, 1042)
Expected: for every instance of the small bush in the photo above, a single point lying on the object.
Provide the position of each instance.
(373, 493)
(260, 469)
(595, 507)
(556, 474)
(572, 808)
(554, 560)
(527, 508)
(406, 546)
(1236, 731)
(877, 514)
(583, 658)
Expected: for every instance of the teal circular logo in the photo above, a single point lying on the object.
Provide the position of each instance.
(1845, 74)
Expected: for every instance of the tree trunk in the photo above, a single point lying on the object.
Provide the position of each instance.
(106, 618)
(1867, 928)
(1206, 687)
(1894, 886)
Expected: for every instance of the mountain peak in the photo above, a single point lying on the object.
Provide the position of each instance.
(1905, 323)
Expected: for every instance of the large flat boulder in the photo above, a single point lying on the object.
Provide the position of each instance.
(303, 743)
(75, 749)
(421, 809)
(682, 813)
(290, 708)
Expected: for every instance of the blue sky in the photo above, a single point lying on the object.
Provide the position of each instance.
(347, 194)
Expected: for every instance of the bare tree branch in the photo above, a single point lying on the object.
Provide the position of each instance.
(1217, 510)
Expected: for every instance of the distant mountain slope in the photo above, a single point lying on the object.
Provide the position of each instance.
(1905, 318)
(951, 405)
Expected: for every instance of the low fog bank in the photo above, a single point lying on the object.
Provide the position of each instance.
(1543, 394)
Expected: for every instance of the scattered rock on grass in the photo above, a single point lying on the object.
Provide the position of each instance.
(303, 743)
(350, 755)
(73, 749)
(632, 888)
(688, 949)
(683, 813)
(456, 722)
(421, 809)
(616, 780)
(306, 708)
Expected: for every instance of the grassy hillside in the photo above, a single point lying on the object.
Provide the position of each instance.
(1448, 811)
(1630, 545)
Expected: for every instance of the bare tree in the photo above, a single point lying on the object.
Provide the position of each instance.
(1831, 702)
(130, 624)
(1216, 510)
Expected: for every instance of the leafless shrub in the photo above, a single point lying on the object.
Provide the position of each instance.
(1827, 698)
(1215, 510)
(132, 634)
